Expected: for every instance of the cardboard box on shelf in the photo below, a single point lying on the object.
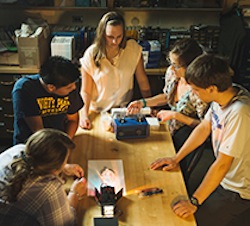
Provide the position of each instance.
(33, 51)
(9, 58)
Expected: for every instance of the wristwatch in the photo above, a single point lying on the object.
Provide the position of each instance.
(194, 201)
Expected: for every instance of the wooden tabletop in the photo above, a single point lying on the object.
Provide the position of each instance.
(136, 154)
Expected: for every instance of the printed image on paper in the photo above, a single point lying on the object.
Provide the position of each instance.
(105, 173)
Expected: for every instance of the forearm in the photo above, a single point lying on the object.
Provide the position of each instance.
(213, 177)
(146, 93)
(192, 122)
(196, 138)
(143, 83)
(142, 79)
(72, 128)
(86, 92)
(35, 123)
(73, 199)
(86, 99)
(208, 185)
(158, 100)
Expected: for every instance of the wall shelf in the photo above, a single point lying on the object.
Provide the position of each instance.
(168, 9)
(144, 9)
(54, 8)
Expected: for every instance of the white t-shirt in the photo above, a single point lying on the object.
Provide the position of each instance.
(231, 136)
(6, 157)
(113, 82)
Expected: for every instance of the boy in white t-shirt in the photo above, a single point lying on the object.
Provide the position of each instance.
(223, 197)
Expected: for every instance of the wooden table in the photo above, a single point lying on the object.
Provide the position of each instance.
(137, 154)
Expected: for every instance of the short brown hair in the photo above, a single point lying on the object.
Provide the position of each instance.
(208, 70)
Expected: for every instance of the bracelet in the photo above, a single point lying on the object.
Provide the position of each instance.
(77, 194)
(144, 102)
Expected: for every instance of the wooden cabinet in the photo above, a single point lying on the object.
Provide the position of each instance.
(6, 111)
(8, 77)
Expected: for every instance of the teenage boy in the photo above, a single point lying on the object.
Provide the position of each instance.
(224, 194)
(49, 99)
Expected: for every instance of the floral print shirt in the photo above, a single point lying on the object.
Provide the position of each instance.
(189, 103)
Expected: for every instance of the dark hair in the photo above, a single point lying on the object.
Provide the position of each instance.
(45, 152)
(59, 71)
(209, 69)
(106, 168)
(110, 18)
(187, 49)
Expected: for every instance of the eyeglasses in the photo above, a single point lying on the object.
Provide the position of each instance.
(176, 67)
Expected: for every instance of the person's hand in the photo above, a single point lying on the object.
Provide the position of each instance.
(166, 115)
(79, 186)
(73, 170)
(85, 123)
(184, 208)
(165, 163)
(134, 107)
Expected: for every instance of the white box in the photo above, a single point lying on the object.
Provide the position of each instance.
(144, 111)
(63, 46)
(153, 123)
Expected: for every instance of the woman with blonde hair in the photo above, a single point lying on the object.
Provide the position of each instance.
(108, 67)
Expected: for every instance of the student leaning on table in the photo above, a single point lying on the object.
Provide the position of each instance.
(50, 99)
(108, 67)
(224, 194)
(186, 108)
(30, 178)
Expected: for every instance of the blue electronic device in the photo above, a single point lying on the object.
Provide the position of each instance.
(133, 126)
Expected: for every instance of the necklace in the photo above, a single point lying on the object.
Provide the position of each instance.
(113, 56)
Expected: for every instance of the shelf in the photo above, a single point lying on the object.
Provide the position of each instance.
(17, 70)
(143, 9)
(52, 8)
(9, 64)
(148, 9)
(155, 71)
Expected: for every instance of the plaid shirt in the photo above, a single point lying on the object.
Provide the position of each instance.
(44, 197)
